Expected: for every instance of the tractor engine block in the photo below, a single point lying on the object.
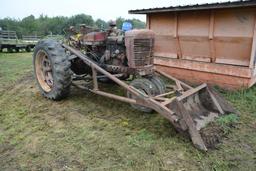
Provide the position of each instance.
(127, 53)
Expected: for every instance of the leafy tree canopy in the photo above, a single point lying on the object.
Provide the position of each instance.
(44, 25)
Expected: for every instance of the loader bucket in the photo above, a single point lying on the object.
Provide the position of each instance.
(198, 107)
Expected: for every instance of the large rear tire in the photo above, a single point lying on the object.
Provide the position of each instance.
(52, 69)
(146, 87)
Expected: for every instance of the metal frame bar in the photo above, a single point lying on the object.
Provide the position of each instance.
(194, 133)
(95, 80)
(142, 98)
(159, 103)
(165, 94)
(178, 82)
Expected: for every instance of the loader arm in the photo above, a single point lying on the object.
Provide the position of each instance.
(189, 111)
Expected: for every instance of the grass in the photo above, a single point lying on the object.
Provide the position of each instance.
(13, 67)
(89, 132)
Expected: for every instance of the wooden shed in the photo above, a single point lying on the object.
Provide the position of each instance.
(213, 43)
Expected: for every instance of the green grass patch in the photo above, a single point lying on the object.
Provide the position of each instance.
(90, 132)
(227, 119)
(14, 66)
(227, 122)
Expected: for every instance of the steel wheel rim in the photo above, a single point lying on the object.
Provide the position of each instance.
(44, 71)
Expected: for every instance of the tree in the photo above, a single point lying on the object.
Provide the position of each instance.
(119, 22)
(44, 25)
(28, 25)
(101, 24)
(138, 24)
(11, 24)
(56, 25)
(135, 23)
(80, 19)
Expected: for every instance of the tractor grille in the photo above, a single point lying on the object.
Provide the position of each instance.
(143, 52)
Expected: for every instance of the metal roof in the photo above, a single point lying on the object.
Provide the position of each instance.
(233, 4)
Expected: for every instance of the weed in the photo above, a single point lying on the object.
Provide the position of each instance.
(227, 122)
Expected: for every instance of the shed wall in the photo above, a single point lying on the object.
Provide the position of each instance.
(220, 38)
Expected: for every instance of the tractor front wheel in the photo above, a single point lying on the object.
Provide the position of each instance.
(52, 69)
(159, 83)
(145, 86)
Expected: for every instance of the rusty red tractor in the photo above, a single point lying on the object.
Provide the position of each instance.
(126, 59)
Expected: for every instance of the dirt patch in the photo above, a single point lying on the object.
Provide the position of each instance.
(215, 131)
(212, 135)
(27, 79)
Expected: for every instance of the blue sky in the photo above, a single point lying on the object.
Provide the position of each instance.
(108, 9)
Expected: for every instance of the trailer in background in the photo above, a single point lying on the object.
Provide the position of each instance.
(10, 41)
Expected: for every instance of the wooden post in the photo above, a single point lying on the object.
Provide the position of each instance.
(148, 21)
(253, 52)
(211, 37)
(175, 25)
(176, 36)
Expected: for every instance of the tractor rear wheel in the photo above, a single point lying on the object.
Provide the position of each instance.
(52, 69)
(145, 86)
